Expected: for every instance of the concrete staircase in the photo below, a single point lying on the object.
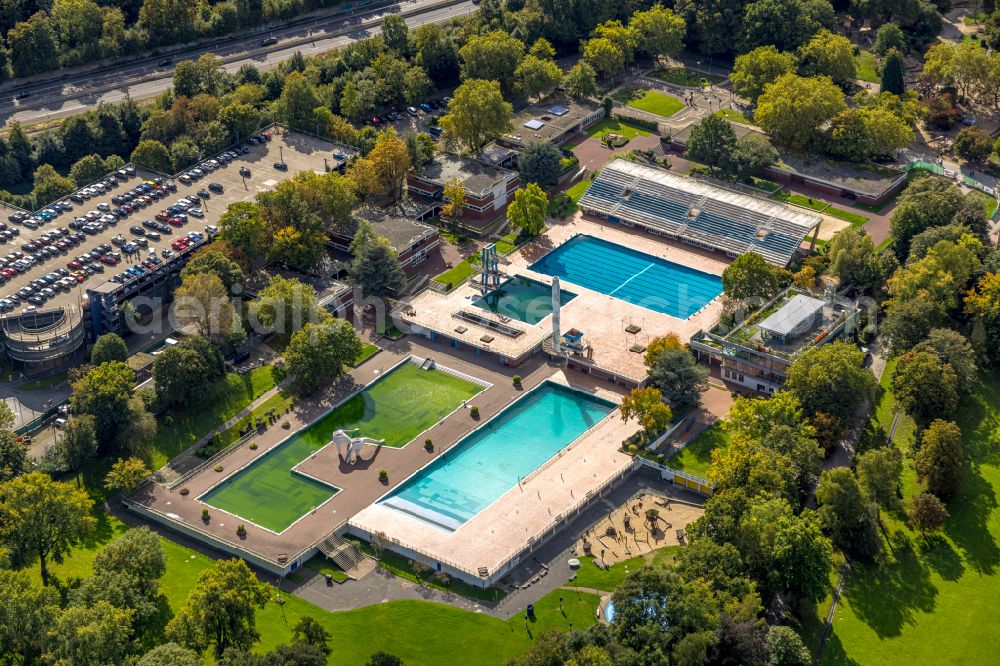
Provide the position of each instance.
(344, 554)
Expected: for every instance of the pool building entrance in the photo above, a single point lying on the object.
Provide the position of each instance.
(397, 407)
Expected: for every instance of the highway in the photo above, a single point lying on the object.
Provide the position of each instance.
(146, 79)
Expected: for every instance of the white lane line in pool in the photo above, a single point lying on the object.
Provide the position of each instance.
(612, 292)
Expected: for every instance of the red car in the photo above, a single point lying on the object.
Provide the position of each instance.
(74, 265)
(176, 222)
(180, 244)
(162, 216)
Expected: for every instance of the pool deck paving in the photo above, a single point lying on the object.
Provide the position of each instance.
(359, 483)
(602, 318)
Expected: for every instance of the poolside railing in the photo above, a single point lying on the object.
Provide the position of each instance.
(210, 462)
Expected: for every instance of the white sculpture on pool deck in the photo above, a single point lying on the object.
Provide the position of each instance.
(349, 448)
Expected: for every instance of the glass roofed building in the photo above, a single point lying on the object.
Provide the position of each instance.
(697, 212)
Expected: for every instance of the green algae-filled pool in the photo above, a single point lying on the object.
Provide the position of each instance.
(397, 407)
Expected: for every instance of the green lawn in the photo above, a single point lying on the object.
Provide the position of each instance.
(682, 76)
(735, 116)
(578, 189)
(650, 101)
(45, 383)
(696, 457)
(867, 67)
(459, 273)
(823, 207)
(615, 126)
(589, 575)
(422, 633)
(178, 429)
(397, 408)
(367, 351)
(934, 600)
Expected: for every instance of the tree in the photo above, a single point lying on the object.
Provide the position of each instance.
(927, 513)
(785, 24)
(78, 24)
(493, 56)
(384, 659)
(940, 459)
(243, 226)
(284, 306)
(853, 259)
(318, 353)
(104, 392)
(171, 654)
(606, 57)
(973, 144)
(202, 300)
(387, 164)
(375, 268)
(793, 107)
(925, 203)
(204, 75)
(108, 347)
(28, 613)
(240, 120)
(396, 35)
(87, 169)
(476, 114)
(878, 474)
(78, 444)
(924, 386)
(983, 303)
(867, 133)
(357, 99)
(785, 647)
(308, 630)
(713, 25)
(647, 407)
(297, 101)
(42, 518)
(711, 141)
(750, 276)
(49, 186)
(14, 459)
(33, 46)
(845, 514)
(215, 263)
(658, 32)
(756, 69)
(92, 636)
(420, 147)
(181, 377)
(126, 474)
(829, 54)
(528, 209)
(220, 611)
(889, 36)
(580, 81)
(675, 372)
(802, 557)
(454, 197)
(168, 21)
(536, 76)
(540, 162)
(892, 74)
(954, 349)
(831, 379)
(436, 52)
(752, 153)
(152, 155)
(416, 85)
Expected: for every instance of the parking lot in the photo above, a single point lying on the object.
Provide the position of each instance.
(298, 152)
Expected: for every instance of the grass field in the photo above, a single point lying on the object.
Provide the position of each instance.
(650, 101)
(578, 189)
(422, 633)
(933, 600)
(397, 407)
(615, 126)
(696, 457)
(367, 351)
(177, 430)
(41, 384)
(823, 207)
(867, 67)
(735, 116)
(589, 575)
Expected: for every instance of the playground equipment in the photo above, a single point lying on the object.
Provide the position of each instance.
(349, 448)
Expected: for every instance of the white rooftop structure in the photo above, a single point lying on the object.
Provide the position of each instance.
(793, 318)
(697, 212)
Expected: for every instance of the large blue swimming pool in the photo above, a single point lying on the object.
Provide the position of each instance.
(492, 459)
(630, 275)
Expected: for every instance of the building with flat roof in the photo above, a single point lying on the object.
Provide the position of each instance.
(488, 188)
(757, 352)
(697, 212)
(412, 240)
(556, 119)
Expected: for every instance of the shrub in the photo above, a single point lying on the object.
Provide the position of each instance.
(253, 446)
(428, 445)
(383, 475)
(633, 449)
(218, 468)
(286, 425)
(205, 515)
(517, 380)
(474, 411)
(184, 490)
(241, 530)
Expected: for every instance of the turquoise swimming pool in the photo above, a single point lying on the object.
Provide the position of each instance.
(492, 459)
(523, 299)
(630, 275)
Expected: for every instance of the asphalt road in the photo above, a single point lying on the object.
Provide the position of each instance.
(147, 79)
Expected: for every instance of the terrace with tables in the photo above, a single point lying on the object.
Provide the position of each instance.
(697, 212)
